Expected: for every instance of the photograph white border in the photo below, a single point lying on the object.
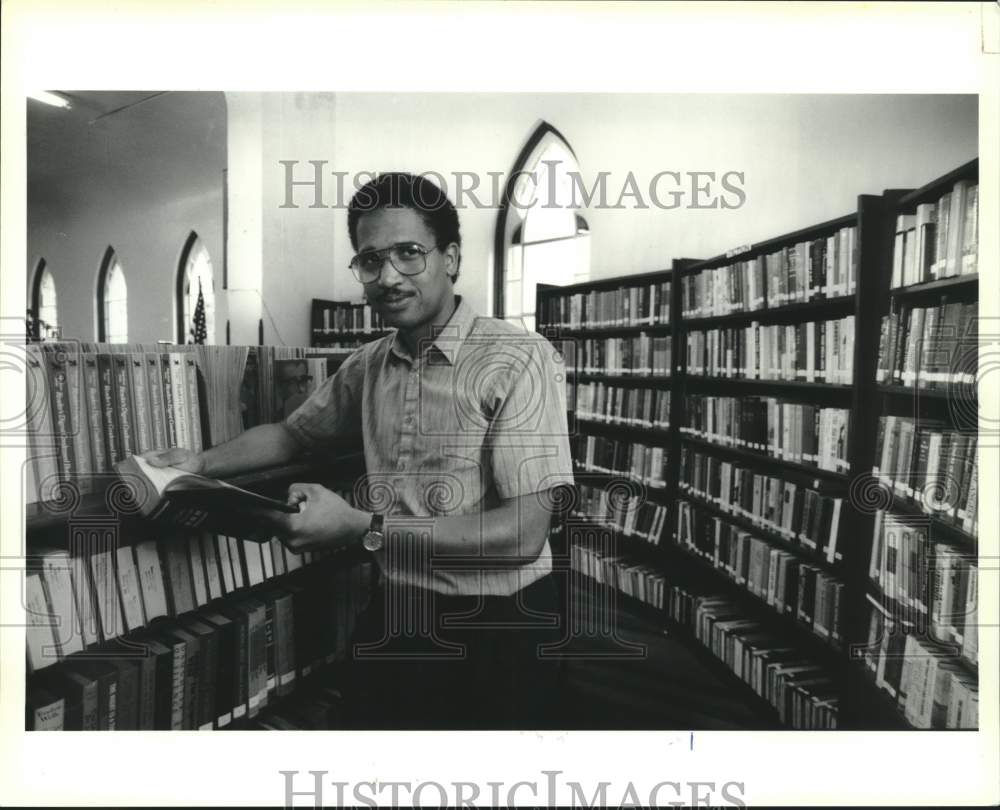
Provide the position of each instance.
(588, 47)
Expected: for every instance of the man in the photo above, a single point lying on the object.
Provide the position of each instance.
(464, 427)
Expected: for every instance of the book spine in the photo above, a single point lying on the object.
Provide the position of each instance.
(179, 383)
(140, 399)
(90, 716)
(147, 692)
(193, 404)
(78, 417)
(970, 236)
(92, 395)
(62, 420)
(169, 406)
(123, 405)
(177, 685)
(285, 659)
(154, 392)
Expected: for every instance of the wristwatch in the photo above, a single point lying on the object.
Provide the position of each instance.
(374, 538)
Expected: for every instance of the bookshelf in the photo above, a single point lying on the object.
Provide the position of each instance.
(134, 625)
(918, 633)
(343, 324)
(819, 294)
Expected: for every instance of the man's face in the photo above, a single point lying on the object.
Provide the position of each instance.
(407, 302)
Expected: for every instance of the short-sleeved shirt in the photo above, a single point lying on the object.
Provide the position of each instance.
(477, 417)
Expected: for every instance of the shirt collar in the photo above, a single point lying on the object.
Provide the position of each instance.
(449, 340)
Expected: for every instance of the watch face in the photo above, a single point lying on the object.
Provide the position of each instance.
(373, 541)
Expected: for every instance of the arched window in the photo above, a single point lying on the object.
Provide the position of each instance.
(44, 304)
(112, 301)
(541, 236)
(195, 276)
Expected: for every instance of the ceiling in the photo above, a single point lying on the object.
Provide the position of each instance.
(104, 134)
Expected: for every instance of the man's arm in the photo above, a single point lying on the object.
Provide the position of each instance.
(261, 446)
(511, 534)
(331, 411)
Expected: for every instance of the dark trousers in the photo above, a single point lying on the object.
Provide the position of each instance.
(421, 660)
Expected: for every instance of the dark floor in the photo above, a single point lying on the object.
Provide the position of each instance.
(675, 684)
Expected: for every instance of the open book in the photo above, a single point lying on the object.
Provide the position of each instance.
(188, 500)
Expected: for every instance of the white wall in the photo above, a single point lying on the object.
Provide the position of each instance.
(298, 252)
(804, 158)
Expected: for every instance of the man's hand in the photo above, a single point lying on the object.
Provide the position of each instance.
(324, 520)
(178, 457)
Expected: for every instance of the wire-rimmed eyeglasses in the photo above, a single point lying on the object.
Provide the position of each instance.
(408, 258)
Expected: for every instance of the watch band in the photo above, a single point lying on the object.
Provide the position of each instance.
(374, 538)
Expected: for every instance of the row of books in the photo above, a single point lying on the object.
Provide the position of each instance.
(805, 434)
(817, 269)
(88, 410)
(631, 515)
(930, 689)
(635, 305)
(331, 317)
(633, 460)
(208, 668)
(619, 405)
(925, 463)
(813, 351)
(99, 589)
(797, 512)
(781, 579)
(802, 691)
(939, 239)
(932, 586)
(633, 578)
(91, 405)
(640, 355)
(929, 346)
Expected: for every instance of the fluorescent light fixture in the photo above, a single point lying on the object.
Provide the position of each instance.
(49, 98)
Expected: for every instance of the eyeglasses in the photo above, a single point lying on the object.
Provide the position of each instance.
(409, 259)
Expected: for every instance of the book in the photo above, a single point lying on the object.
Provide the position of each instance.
(175, 497)
(43, 650)
(150, 573)
(44, 710)
(57, 565)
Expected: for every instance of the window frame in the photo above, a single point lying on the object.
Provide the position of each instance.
(191, 244)
(110, 260)
(505, 234)
(41, 273)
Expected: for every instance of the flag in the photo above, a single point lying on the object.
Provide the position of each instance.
(199, 333)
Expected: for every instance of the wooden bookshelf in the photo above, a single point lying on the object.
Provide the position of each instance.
(951, 404)
(874, 224)
(334, 323)
(115, 581)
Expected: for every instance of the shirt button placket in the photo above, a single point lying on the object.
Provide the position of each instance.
(409, 420)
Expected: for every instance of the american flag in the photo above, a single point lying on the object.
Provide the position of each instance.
(199, 333)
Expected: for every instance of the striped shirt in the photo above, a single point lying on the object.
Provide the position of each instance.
(479, 416)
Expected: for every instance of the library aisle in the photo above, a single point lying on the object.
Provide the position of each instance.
(672, 686)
